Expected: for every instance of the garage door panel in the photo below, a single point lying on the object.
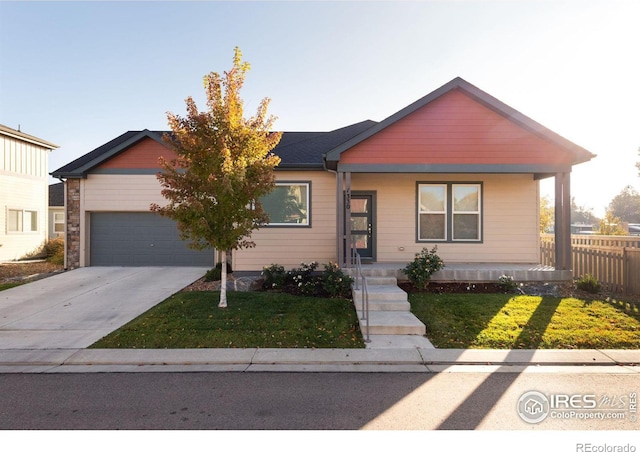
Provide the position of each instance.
(140, 239)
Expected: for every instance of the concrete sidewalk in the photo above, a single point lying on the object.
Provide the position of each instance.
(318, 360)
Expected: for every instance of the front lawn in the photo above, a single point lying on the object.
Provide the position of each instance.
(503, 321)
(252, 319)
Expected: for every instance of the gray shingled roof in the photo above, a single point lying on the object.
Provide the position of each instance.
(56, 194)
(297, 150)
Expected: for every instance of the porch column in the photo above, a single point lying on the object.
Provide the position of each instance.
(340, 219)
(347, 216)
(562, 228)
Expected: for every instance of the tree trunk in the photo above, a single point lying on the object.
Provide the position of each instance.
(223, 281)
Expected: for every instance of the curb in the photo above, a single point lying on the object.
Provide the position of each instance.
(316, 360)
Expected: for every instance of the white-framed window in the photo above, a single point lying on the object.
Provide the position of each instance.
(289, 204)
(449, 212)
(432, 212)
(58, 222)
(22, 220)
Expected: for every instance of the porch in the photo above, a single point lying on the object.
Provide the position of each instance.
(471, 272)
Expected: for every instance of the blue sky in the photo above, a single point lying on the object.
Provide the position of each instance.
(81, 73)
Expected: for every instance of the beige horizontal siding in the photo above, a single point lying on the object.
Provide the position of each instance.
(121, 193)
(290, 246)
(510, 218)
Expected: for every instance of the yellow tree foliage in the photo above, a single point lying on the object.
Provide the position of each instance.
(611, 225)
(547, 215)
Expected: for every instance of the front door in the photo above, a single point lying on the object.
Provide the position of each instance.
(363, 224)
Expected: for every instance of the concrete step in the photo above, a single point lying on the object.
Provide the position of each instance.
(381, 281)
(381, 293)
(387, 322)
(385, 305)
(376, 271)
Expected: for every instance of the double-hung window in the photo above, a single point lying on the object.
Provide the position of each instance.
(449, 212)
(19, 220)
(58, 222)
(289, 204)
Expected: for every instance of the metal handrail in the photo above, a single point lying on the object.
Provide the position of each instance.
(355, 258)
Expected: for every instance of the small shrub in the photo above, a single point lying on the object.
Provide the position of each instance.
(302, 280)
(54, 251)
(215, 274)
(50, 250)
(425, 264)
(335, 283)
(507, 284)
(274, 277)
(588, 283)
(306, 280)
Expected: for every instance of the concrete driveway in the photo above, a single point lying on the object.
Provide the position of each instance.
(76, 308)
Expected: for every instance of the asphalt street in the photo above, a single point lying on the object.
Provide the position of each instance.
(313, 401)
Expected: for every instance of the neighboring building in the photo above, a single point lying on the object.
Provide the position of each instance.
(583, 228)
(24, 192)
(56, 210)
(457, 169)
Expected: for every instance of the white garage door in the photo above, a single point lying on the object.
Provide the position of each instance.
(140, 239)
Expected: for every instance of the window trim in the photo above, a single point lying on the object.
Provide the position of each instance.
(449, 211)
(55, 222)
(22, 213)
(307, 224)
(445, 212)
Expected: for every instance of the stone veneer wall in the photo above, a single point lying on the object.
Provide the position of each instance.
(72, 203)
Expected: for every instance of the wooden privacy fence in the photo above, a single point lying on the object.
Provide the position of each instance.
(613, 260)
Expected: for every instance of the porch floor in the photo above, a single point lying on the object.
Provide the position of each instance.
(472, 272)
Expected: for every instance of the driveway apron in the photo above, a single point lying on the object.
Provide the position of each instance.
(76, 308)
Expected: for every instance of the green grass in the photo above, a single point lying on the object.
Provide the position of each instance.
(252, 319)
(9, 285)
(505, 321)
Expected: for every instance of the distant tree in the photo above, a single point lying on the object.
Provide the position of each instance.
(611, 225)
(582, 214)
(224, 165)
(626, 205)
(547, 214)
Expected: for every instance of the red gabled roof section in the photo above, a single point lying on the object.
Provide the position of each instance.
(455, 129)
(458, 124)
(142, 155)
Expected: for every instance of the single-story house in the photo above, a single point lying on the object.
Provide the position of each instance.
(56, 210)
(457, 169)
(24, 174)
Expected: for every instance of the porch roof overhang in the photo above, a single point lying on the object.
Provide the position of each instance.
(539, 171)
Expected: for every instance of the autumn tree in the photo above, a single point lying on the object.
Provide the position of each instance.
(626, 205)
(224, 165)
(611, 225)
(547, 214)
(581, 214)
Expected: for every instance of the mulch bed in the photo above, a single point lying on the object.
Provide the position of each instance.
(565, 290)
(435, 287)
(20, 270)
